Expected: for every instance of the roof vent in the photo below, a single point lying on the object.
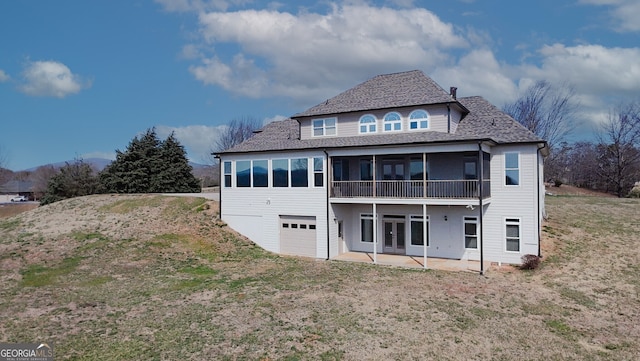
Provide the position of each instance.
(452, 91)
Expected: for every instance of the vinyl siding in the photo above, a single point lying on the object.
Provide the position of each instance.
(348, 124)
(255, 212)
(512, 202)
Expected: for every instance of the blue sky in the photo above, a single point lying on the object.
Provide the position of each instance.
(81, 78)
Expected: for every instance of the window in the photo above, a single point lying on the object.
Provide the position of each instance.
(471, 232)
(243, 173)
(366, 228)
(227, 174)
(416, 169)
(260, 173)
(280, 172)
(367, 124)
(512, 232)
(285, 225)
(511, 169)
(340, 170)
(323, 127)
(366, 169)
(419, 119)
(417, 231)
(299, 172)
(392, 122)
(318, 172)
(470, 168)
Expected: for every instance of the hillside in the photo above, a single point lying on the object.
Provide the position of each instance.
(134, 277)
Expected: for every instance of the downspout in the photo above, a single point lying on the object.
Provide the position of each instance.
(221, 179)
(328, 194)
(448, 118)
(481, 206)
(538, 214)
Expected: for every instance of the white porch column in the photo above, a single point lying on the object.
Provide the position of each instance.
(375, 234)
(424, 234)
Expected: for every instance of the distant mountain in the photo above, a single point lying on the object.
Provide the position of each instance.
(100, 163)
(97, 163)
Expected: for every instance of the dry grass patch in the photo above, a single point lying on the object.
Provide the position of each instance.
(152, 277)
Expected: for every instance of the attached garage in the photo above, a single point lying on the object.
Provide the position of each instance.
(298, 235)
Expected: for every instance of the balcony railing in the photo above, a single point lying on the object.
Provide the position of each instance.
(442, 189)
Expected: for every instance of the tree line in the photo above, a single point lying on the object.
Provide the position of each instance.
(147, 165)
(608, 163)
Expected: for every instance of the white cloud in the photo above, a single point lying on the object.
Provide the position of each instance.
(624, 13)
(3, 76)
(50, 78)
(311, 55)
(478, 73)
(101, 155)
(199, 5)
(592, 69)
(198, 140)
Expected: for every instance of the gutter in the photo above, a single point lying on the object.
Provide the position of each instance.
(328, 194)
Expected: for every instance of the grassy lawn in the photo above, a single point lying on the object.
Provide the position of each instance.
(158, 278)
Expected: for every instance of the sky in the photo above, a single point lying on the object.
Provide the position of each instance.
(80, 79)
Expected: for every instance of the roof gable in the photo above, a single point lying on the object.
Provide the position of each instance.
(383, 91)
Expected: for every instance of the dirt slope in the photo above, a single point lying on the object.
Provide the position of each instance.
(151, 277)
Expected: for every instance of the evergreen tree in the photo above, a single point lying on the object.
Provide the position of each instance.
(176, 174)
(73, 180)
(150, 166)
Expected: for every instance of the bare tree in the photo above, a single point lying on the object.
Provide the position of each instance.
(619, 148)
(41, 178)
(546, 110)
(237, 131)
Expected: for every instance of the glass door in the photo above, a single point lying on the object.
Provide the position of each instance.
(394, 236)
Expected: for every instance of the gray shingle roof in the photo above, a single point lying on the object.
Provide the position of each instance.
(487, 121)
(484, 121)
(383, 91)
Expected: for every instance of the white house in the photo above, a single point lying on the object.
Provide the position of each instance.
(389, 166)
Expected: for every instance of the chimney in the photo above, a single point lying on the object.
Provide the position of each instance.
(452, 92)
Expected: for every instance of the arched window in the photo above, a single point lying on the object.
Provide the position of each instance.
(419, 119)
(367, 124)
(392, 122)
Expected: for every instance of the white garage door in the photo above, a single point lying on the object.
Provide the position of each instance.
(298, 235)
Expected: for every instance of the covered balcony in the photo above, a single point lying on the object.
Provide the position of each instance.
(446, 176)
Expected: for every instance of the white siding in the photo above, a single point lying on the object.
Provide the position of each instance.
(512, 202)
(243, 208)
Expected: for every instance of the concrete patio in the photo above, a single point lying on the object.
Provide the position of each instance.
(442, 264)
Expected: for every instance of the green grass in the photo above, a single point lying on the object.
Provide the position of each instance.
(207, 293)
(38, 275)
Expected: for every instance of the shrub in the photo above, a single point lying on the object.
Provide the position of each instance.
(635, 192)
(530, 262)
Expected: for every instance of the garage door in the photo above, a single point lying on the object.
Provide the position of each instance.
(298, 235)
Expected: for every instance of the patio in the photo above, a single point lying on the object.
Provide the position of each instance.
(442, 264)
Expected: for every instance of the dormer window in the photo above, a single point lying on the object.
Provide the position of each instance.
(322, 127)
(419, 119)
(392, 122)
(368, 124)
